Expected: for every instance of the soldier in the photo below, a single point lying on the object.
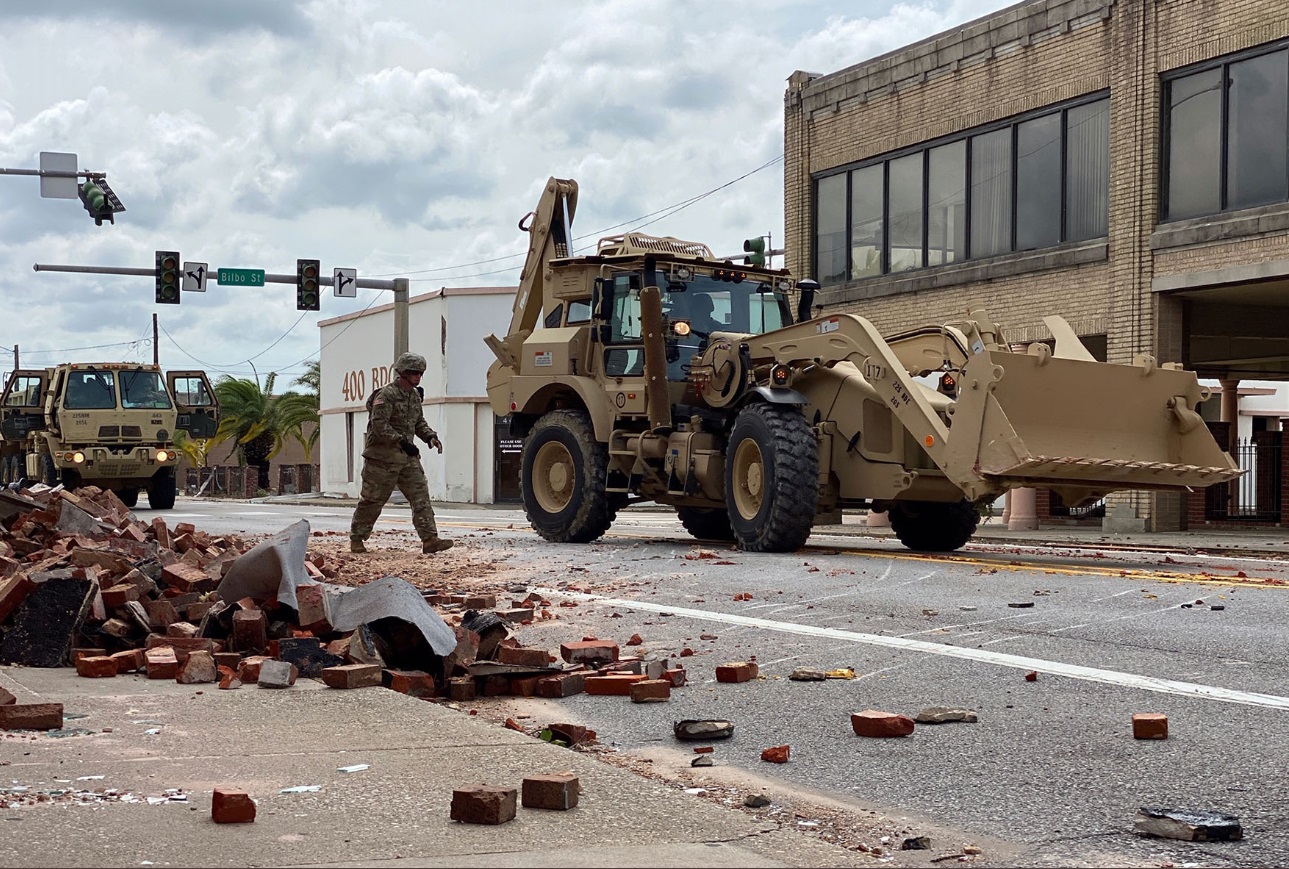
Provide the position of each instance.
(391, 459)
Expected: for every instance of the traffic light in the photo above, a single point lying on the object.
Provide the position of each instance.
(167, 273)
(755, 248)
(97, 203)
(306, 285)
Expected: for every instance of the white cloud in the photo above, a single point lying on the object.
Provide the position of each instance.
(399, 137)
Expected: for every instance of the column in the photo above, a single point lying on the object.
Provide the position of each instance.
(1024, 510)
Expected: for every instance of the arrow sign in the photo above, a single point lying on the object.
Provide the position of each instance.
(194, 277)
(345, 282)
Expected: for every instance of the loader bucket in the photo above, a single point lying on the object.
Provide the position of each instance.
(1090, 425)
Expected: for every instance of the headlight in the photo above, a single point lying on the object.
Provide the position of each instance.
(78, 457)
(163, 456)
(783, 285)
(681, 328)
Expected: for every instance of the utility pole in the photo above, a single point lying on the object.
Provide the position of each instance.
(156, 352)
(16, 366)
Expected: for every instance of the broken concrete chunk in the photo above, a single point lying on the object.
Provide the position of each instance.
(805, 675)
(944, 714)
(277, 674)
(700, 729)
(1189, 825)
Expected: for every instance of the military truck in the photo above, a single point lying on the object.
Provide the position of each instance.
(651, 370)
(105, 424)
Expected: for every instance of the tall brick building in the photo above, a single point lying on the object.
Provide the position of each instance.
(1122, 163)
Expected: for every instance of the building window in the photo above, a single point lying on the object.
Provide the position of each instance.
(1030, 183)
(1226, 136)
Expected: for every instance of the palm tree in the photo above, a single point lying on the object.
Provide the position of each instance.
(255, 419)
(300, 410)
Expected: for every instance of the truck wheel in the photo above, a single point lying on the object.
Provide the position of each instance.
(930, 526)
(129, 497)
(771, 478)
(562, 477)
(706, 523)
(161, 490)
(48, 471)
(71, 479)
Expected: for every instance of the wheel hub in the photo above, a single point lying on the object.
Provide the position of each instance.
(749, 479)
(553, 476)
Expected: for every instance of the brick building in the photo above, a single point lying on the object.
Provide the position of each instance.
(1122, 163)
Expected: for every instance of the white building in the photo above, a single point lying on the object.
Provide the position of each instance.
(447, 327)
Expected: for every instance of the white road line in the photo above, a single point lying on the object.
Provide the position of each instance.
(1055, 668)
(1117, 594)
(911, 581)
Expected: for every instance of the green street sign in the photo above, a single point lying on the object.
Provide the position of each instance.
(241, 277)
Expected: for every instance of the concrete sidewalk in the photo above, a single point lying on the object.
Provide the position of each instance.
(394, 813)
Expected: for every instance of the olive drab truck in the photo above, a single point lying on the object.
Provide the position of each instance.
(110, 425)
(651, 370)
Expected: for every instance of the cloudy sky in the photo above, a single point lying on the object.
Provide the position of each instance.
(403, 138)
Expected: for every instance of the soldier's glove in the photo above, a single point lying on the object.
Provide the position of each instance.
(435, 442)
(409, 448)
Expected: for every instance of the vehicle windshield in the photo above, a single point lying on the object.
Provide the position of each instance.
(143, 389)
(88, 389)
(749, 307)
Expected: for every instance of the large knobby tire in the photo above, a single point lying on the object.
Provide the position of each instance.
(706, 523)
(48, 471)
(562, 478)
(771, 478)
(161, 490)
(129, 497)
(71, 479)
(928, 526)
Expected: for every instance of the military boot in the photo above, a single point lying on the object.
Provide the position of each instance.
(435, 544)
(356, 544)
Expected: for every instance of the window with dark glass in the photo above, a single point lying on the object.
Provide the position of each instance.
(1226, 135)
(1034, 182)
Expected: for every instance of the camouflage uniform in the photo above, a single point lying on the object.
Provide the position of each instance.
(395, 416)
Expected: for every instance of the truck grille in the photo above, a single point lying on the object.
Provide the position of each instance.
(114, 432)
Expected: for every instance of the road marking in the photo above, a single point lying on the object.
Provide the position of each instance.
(1002, 659)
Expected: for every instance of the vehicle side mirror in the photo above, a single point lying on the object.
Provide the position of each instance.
(600, 299)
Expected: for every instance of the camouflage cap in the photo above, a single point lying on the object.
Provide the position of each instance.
(410, 362)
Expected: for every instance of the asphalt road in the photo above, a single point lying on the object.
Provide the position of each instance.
(1051, 762)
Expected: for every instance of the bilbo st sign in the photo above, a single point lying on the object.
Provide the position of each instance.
(241, 277)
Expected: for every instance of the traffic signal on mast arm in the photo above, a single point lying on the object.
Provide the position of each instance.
(307, 297)
(167, 273)
(97, 203)
(755, 248)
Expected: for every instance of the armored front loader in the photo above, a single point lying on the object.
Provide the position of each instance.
(652, 370)
(110, 425)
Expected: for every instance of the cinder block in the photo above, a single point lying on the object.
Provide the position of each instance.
(591, 652)
(558, 791)
(232, 807)
(1149, 725)
(352, 676)
(874, 723)
(95, 666)
(484, 805)
(650, 691)
(31, 716)
(616, 685)
(737, 671)
(277, 674)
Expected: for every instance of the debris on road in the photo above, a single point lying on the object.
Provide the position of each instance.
(694, 730)
(555, 791)
(232, 807)
(776, 754)
(1189, 825)
(944, 715)
(1149, 725)
(483, 804)
(880, 725)
(802, 674)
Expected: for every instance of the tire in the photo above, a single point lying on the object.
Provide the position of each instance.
(928, 526)
(562, 478)
(129, 497)
(71, 479)
(161, 490)
(771, 478)
(48, 471)
(706, 523)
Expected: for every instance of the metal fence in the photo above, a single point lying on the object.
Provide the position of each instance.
(1255, 496)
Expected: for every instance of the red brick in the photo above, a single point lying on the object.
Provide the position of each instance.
(228, 678)
(13, 591)
(199, 669)
(228, 659)
(249, 668)
(1149, 725)
(352, 676)
(573, 734)
(518, 616)
(480, 602)
(565, 685)
(95, 666)
(524, 686)
(461, 689)
(483, 805)
(877, 724)
(650, 691)
(415, 683)
(195, 612)
(79, 653)
(676, 677)
(738, 671)
(186, 577)
(523, 657)
(558, 791)
(617, 685)
(311, 608)
(160, 531)
(31, 716)
(185, 630)
(493, 686)
(232, 807)
(250, 631)
(161, 663)
(777, 754)
(183, 646)
(120, 595)
(129, 660)
(161, 612)
(589, 652)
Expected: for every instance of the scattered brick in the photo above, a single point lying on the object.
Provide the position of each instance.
(277, 674)
(120, 595)
(1149, 725)
(676, 677)
(414, 683)
(480, 602)
(199, 669)
(6, 697)
(186, 577)
(1031, 676)
(484, 805)
(523, 657)
(874, 723)
(635, 640)
(250, 631)
(650, 691)
(777, 754)
(461, 689)
(31, 716)
(13, 591)
(352, 676)
(129, 660)
(161, 663)
(228, 679)
(525, 686)
(232, 807)
(739, 671)
(591, 652)
(228, 659)
(518, 616)
(249, 668)
(182, 646)
(184, 630)
(79, 653)
(571, 734)
(617, 685)
(556, 791)
(312, 608)
(563, 685)
(95, 666)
